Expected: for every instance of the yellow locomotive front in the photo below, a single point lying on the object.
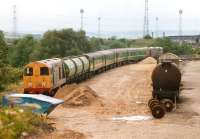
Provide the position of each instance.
(44, 77)
(37, 78)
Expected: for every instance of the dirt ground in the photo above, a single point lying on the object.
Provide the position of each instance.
(125, 91)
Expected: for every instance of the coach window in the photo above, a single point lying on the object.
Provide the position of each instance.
(44, 71)
(28, 72)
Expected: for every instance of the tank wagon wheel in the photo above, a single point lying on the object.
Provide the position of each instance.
(168, 104)
(158, 111)
(153, 103)
(150, 101)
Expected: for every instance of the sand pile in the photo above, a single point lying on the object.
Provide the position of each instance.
(149, 60)
(65, 90)
(76, 95)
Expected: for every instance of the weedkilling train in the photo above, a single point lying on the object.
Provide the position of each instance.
(46, 76)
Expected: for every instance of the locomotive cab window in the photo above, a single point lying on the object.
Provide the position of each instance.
(44, 71)
(28, 71)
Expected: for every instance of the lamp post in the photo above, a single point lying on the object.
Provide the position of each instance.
(81, 12)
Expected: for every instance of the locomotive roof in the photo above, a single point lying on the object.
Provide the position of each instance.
(50, 62)
(106, 52)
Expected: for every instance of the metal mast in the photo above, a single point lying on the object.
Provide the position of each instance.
(146, 19)
(99, 27)
(157, 32)
(82, 12)
(14, 21)
(180, 22)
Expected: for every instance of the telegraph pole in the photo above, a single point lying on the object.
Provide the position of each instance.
(99, 27)
(82, 12)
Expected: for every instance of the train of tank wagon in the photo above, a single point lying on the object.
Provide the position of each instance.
(46, 76)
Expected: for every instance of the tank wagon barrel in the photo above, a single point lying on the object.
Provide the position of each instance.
(166, 76)
(76, 68)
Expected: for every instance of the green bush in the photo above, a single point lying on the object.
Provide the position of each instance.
(172, 47)
(15, 121)
(148, 37)
(9, 75)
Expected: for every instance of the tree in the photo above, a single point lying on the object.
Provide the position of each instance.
(20, 52)
(3, 59)
(172, 47)
(96, 43)
(64, 43)
(147, 37)
(3, 49)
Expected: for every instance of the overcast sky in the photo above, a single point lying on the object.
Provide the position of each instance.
(117, 15)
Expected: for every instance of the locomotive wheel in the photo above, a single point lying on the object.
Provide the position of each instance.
(168, 104)
(158, 111)
(150, 101)
(153, 102)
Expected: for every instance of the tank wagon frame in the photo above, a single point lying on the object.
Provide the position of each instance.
(78, 68)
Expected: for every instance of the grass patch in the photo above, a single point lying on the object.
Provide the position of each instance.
(17, 123)
(15, 87)
(143, 42)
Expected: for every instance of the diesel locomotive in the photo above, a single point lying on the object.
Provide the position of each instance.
(46, 76)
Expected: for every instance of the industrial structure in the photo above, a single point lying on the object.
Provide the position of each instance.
(157, 28)
(99, 27)
(14, 21)
(180, 22)
(189, 39)
(82, 12)
(146, 20)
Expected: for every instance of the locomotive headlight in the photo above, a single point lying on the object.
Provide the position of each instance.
(30, 84)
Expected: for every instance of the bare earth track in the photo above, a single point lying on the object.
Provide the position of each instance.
(125, 91)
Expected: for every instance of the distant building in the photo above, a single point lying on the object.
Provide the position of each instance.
(189, 39)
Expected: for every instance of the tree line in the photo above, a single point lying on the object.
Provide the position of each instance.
(63, 43)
